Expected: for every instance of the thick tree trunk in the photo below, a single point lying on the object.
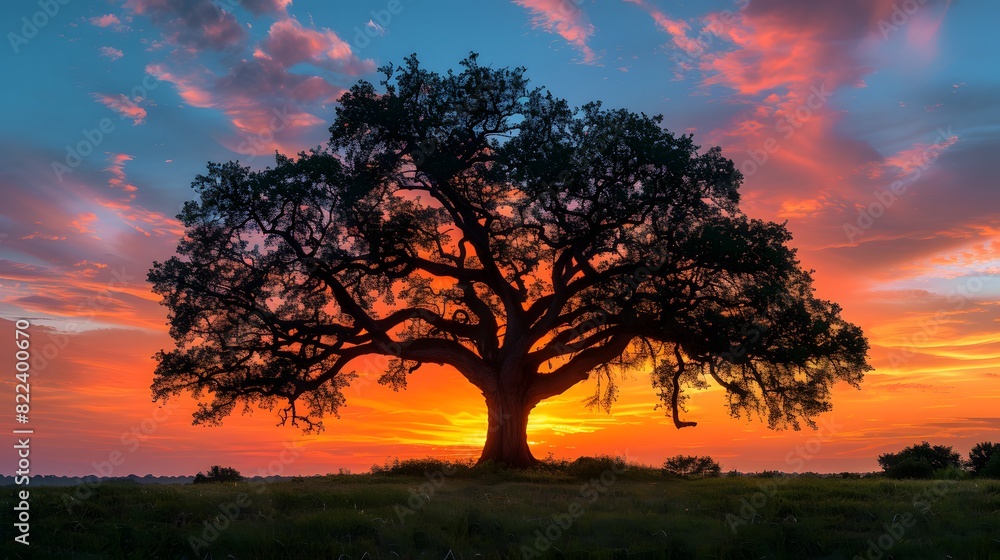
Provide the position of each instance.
(507, 433)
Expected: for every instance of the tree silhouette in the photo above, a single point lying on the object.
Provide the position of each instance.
(919, 461)
(980, 455)
(468, 220)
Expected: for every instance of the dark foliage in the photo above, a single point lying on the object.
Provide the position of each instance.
(981, 454)
(420, 467)
(919, 461)
(692, 466)
(992, 467)
(218, 474)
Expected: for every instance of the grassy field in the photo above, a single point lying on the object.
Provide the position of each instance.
(604, 513)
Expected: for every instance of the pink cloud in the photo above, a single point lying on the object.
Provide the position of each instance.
(783, 64)
(80, 240)
(259, 7)
(677, 29)
(83, 223)
(111, 52)
(156, 223)
(193, 24)
(271, 107)
(124, 106)
(566, 19)
(44, 236)
(289, 43)
(919, 156)
(771, 54)
(88, 269)
(187, 87)
(107, 20)
(117, 170)
(781, 69)
(800, 208)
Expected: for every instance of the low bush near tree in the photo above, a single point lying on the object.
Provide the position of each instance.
(218, 474)
(692, 466)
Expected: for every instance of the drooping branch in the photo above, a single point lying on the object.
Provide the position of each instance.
(676, 393)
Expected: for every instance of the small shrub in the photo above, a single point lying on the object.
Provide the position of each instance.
(218, 474)
(589, 467)
(910, 468)
(981, 454)
(419, 467)
(692, 466)
(951, 473)
(770, 474)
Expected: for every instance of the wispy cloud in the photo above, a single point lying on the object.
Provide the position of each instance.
(677, 29)
(107, 20)
(118, 179)
(111, 52)
(564, 18)
(908, 160)
(124, 106)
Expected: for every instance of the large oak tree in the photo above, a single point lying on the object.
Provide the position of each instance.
(468, 220)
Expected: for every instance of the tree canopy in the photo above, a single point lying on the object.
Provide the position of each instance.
(980, 455)
(469, 220)
(919, 461)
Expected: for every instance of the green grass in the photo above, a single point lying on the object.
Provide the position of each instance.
(638, 514)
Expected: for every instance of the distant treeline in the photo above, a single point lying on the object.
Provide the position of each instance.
(920, 461)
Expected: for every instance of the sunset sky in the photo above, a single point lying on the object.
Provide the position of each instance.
(870, 126)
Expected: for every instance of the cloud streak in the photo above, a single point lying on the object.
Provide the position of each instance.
(111, 52)
(564, 18)
(107, 20)
(124, 106)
